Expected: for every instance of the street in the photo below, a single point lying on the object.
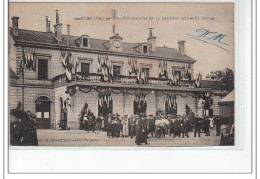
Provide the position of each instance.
(81, 138)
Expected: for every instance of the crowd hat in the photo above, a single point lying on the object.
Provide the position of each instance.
(18, 114)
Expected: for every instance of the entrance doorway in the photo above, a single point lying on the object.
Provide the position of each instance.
(171, 108)
(140, 107)
(43, 109)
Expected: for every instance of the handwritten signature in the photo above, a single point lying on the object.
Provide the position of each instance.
(213, 38)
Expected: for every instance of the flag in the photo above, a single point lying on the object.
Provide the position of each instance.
(198, 80)
(29, 58)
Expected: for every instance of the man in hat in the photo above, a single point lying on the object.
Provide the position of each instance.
(109, 125)
(117, 126)
(98, 124)
(19, 120)
(218, 123)
(141, 131)
(197, 125)
(206, 126)
(185, 127)
(177, 126)
(133, 123)
(171, 124)
(151, 124)
(32, 134)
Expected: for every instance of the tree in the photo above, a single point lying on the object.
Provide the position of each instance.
(226, 77)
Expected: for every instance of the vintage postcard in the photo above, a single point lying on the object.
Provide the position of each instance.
(121, 74)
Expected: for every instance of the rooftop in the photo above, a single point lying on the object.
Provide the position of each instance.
(96, 44)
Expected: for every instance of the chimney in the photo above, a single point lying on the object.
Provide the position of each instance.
(48, 25)
(15, 21)
(68, 31)
(58, 28)
(181, 47)
(151, 40)
(57, 17)
(150, 32)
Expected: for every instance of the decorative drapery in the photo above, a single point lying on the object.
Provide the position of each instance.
(198, 80)
(141, 76)
(29, 58)
(104, 100)
(132, 66)
(140, 99)
(136, 69)
(171, 102)
(186, 72)
(136, 92)
(163, 69)
(105, 67)
(174, 78)
(71, 91)
(69, 64)
(207, 97)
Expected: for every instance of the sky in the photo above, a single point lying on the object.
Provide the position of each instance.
(170, 22)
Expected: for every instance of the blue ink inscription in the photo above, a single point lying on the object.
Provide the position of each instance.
(213, 38)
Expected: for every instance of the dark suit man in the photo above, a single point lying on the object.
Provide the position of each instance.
(197, 125)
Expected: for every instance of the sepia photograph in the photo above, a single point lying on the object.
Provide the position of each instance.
(121, 74)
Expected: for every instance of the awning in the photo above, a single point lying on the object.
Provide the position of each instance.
(229, 99)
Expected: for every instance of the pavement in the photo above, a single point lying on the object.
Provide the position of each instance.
(79, 138)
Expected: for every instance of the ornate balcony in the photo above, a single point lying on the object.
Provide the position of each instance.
(129, 80)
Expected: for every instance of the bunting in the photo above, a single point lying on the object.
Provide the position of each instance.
(29, 58)
(198, 80)
(163, 69)
(208, 98)
(171, 102)
(132, 66)
(104, 100)
(186, 72)
(69, 64)
(174, 77)
(141, 76)
(140, 98)
(105, 67)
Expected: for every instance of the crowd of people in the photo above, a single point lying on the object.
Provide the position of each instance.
(143, 127)
(22, 128)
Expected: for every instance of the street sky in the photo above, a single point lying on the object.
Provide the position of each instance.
(218, 18)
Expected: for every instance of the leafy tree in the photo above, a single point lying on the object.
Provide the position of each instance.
(225, 76)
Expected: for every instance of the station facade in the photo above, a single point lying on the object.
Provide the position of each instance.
(51, 72)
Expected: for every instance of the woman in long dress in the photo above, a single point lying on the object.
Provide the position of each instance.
(125, 123)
